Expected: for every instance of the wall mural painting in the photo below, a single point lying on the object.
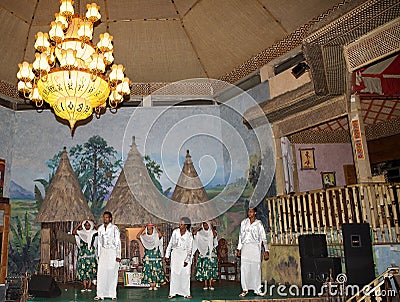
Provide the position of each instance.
(96, 159)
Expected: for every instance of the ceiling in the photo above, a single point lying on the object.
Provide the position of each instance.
(164, 40)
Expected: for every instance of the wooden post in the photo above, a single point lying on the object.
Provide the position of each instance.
(4, 230)
(279, 173)
(359, 141)
(395, 214)
(45, 249)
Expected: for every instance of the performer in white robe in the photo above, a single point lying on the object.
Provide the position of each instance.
(180, 251)
(251, 237)
(109, 251)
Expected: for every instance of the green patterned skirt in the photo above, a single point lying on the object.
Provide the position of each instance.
(207, 268)
(87, 262)
(153, 271)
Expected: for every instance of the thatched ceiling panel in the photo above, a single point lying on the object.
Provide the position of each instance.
(45, 11)
(11, 49)
(159, 51)
(22, 8)
(217, 30)
(140, 9)
(184, 5)
(293, 14)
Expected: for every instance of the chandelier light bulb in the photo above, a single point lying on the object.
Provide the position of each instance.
(97, 64)
(35, 96)
(123, 88)
(42, 43)
(67, 8)
(92, 13)
(108, 57)
(25, 87)
(105, 43)
(41, 63)
(85, 31)
(56, 31)
(25, 72)
(117, 73)
(62, 19)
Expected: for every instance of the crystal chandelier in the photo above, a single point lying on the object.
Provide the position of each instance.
(69, 72)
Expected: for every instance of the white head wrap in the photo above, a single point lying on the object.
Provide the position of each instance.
(86, 235)
(152, 241)
(204, 241)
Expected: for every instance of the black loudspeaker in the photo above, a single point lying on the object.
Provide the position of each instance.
(313, 245)
(315, 271)
(43, 286)
(359, 260)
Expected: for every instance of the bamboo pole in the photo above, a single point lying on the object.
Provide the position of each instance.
(379, 196)
(338, 209)
(306, 212)
(317, 205)
(299, 215)
(296, 227)
(356, 205)
(323, 213)
(336, 215)
(388, 218)
(285, 226)
(275, 220)
(310, 211)
(340, 204)
(372, 212)
(394, 211)
(364, 211)
(271, 223)
(279, 204)
(348, 204)
(291, 220)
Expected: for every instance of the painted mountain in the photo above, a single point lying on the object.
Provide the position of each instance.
(18, 192)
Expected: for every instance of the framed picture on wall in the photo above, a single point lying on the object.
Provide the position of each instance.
(328, 179)
(307, 159)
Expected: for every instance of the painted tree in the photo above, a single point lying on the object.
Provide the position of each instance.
(24, 252)
(96, 165)
(52, 164)
(155, 172)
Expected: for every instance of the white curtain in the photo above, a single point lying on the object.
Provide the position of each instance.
(288, 163)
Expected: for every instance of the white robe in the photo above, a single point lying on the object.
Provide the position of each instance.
(251, 236)
(180, 250)
(109, 249)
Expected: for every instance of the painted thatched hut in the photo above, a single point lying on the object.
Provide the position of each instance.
(190, 191)
(132, 194)
(63, 205)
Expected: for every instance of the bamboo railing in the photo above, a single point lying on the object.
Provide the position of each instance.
(325, 211)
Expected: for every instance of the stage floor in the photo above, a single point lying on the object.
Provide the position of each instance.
(223, 291)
